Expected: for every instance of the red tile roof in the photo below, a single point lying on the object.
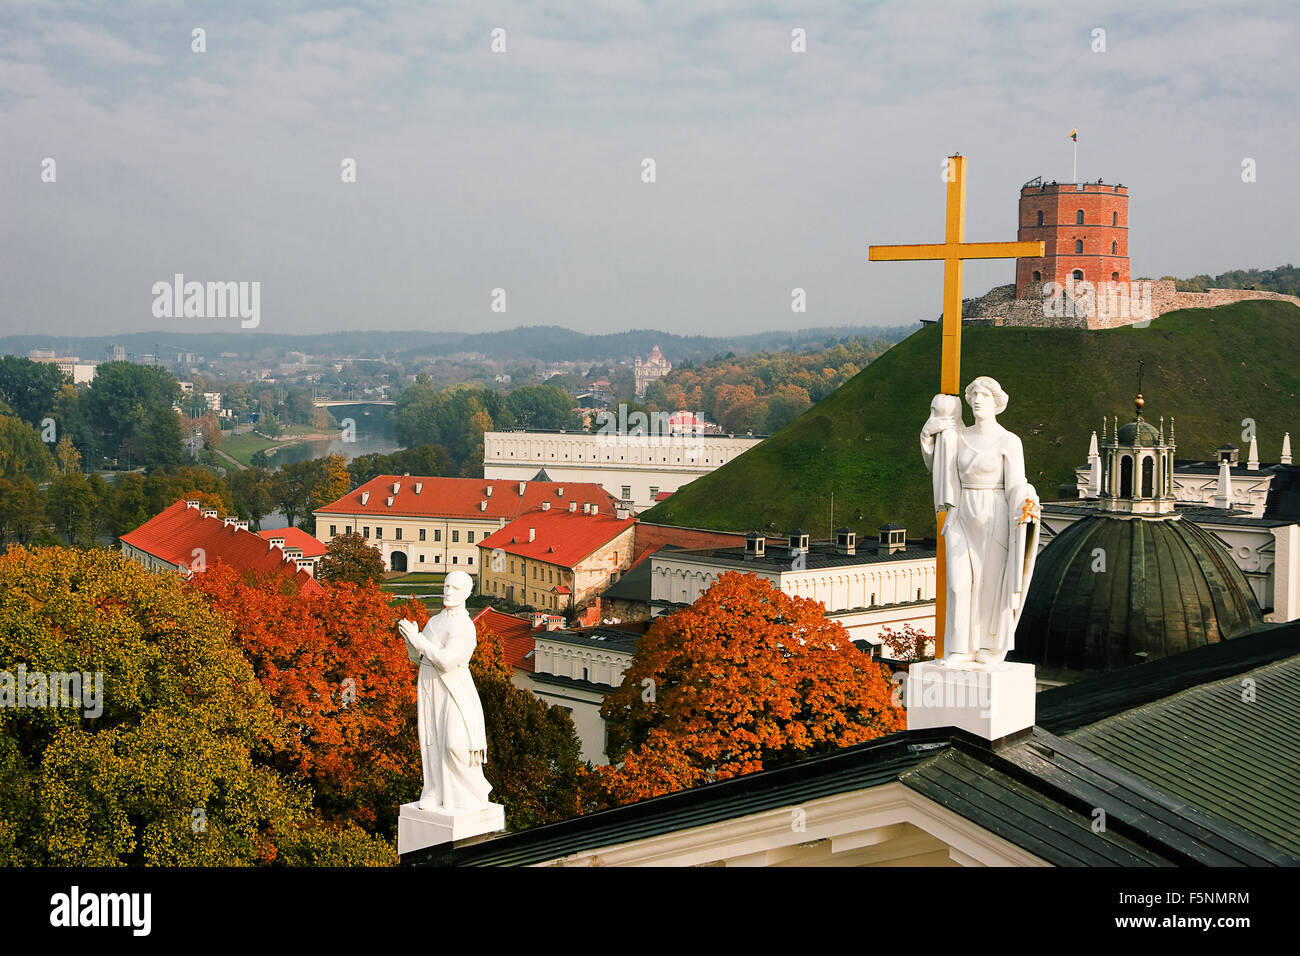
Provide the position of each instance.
(516, 636)
(311, 546)
(561, 537)
(663, 496)
(173, 535)
(463, 497)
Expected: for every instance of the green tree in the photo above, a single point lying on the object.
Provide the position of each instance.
(165, 763)
(542, 406)
(135, 404)
(21, 511)
(251, 491)
(22, 452)
(28, 387)
(349, 558)
(74, 508)
(292, 487)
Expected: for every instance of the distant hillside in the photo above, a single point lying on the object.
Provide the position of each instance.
(1208, 368)
(545, 343)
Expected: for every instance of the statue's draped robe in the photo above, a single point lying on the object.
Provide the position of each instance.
(990, 553)
(453, 740)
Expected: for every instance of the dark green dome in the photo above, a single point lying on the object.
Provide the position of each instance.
(1168, 586)
(1139, 432)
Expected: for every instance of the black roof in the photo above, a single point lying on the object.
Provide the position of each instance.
(820, 554)
(1283, 499)
(635, 584)
(610, 638)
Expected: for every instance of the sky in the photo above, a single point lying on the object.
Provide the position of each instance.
(523, 170)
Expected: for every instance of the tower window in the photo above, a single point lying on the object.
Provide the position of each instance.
(1078, 273)
(1114, 277)
(1078, 217)
(1078, 246)
(1040, 217)
(1114, 248)
(1114, 219)
(1038, 276)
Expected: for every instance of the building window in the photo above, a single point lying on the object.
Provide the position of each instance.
(654, 491)
(379, 532)
(1040, 217)
(437, 559)
(1114, 219)
(347, 529)
(455, 559)
(627, 491)
(398, 534)
(584, 673)
(470, 537)
(1078, 217)
(366, 531)
(1038, 276)
(1078, 246)
(1114, 248)
(469, 559)
(455, 537)
(1114, 277)
(421, 534)
(437, 534)
(334, 529)
(1078, 273)
(422, 559)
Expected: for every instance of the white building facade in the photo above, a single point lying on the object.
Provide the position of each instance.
(639, 468)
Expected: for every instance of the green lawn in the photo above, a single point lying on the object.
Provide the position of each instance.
(243, 447)
(1208, 368)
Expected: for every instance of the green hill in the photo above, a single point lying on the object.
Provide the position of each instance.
(1208, 368)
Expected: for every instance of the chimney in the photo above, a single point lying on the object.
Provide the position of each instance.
(390, 501)
(397, 486)
(522, 486)
(546, 506)
(488, 492)
(798, 541)
(622, 513)
(846, 541)
(209, 512)
(893, 539)
(482, 506)
(365, 497)
(554, 622)
(573, 506)
(595, 508)
(586, 507)
(277, 542)
(241, 524)
(755, 546)
(539, 618)
(192, 502)
(532, 534)
(559, 492)
(228, 520)
(418, 486)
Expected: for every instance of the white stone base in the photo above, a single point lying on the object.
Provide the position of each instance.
(418, 828)
(989, 702)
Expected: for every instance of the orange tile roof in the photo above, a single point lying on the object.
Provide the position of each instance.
(463, 497)
(311, 546)
(561, 537)
(516, 636)
(173, 534)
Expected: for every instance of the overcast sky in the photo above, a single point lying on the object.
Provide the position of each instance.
(522, 170)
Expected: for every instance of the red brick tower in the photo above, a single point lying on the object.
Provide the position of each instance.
(1085, 230)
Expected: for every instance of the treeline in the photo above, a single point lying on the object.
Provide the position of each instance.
(764, 392)
(455, 418)
(1284, 279)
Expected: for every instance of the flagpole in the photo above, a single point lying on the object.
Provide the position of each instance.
(1076, 161)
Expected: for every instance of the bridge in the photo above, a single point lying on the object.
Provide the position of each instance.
(330, 404)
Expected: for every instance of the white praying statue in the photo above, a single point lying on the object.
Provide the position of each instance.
(453, 741)
(991, 529)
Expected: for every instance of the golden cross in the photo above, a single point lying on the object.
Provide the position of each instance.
(952, 251)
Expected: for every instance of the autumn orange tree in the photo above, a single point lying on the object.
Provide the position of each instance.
(349, 558)
(341, 685)
(746, 678)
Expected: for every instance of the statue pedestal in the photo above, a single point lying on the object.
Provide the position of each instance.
(418, 828)
(989, 702)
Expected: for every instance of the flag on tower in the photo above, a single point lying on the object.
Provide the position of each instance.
(1074, 135)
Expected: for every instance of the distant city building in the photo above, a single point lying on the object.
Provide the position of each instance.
(635, 467)
(185, 538)
(436, 524)
(651, 370)
(81, 373)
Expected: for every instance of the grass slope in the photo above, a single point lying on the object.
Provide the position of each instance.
(1208, 368)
